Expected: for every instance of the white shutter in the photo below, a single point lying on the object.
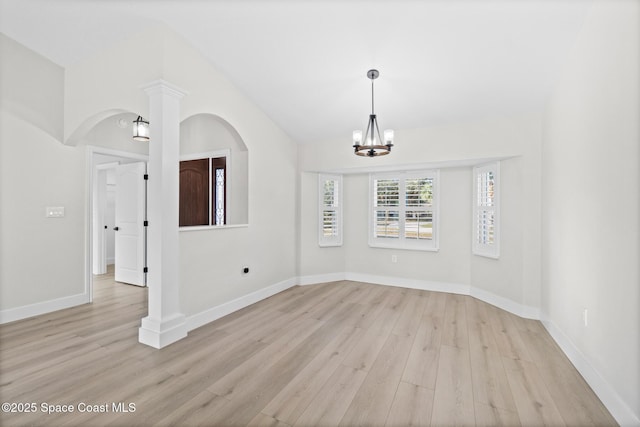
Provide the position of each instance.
(486, 192)
(418, 223)
(330, 210)
(403, 210)
(386, 208)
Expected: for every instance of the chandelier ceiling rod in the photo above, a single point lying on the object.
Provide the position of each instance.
(372, 77)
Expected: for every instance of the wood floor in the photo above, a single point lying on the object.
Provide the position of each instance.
(342, 353)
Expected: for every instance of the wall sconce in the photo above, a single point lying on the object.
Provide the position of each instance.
(141, 130)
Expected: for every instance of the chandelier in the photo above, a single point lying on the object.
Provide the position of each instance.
(372, 145)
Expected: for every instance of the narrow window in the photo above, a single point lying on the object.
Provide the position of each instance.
(219, 197)
(486, 210)
(203, 192)
(330, 212)
(404, 210)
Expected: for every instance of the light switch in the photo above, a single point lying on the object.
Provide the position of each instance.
(55, 211)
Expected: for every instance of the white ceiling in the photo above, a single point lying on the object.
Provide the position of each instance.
(304, 62)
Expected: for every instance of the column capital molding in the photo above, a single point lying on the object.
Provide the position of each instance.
(161, 86)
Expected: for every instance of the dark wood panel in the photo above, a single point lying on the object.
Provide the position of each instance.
(194, 192)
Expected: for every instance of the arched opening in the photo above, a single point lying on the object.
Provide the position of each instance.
(111, 155)
(207, 136)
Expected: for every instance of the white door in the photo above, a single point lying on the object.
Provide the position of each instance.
(129, 225)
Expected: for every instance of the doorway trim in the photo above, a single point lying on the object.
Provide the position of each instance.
(91, 162)
(99, 170)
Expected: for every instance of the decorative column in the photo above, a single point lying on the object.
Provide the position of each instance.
(165, 323)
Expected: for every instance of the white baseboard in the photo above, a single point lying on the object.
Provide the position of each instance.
(425, 285)
(607, 394)
(25, 311)
(321, 278)
(196, 320)
(506, 304)
(428, 285)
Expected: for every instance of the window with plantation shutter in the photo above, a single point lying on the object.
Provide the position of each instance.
(387, 209)
(486, 212)
(403, 210)
(330, 212)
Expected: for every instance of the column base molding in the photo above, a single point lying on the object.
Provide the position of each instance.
(160, 333)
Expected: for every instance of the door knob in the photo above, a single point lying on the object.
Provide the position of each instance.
(116, 228)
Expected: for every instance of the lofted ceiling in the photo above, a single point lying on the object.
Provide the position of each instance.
(304, 62)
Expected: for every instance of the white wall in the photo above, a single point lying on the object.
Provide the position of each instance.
(313, 259)
(505, 278)
(31, 87)
(41, 259)
(211, 261)
(514, 278)
(590, 207)
(111, 81)
(451, 264)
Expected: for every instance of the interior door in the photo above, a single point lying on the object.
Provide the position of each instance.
(130, 230)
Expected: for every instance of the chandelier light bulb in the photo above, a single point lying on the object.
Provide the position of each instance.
(357, 137)
(388, 137)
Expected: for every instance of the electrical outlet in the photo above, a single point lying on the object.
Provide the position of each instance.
(585, 317)
(394, 258)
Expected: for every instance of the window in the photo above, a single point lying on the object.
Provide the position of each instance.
(203, 191)
(404, 210)
(330, 212)
(486, 212)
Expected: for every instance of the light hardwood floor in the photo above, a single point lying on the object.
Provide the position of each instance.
(342, 353)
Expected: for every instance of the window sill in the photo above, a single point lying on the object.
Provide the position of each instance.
(330, 245)
(212, 227)
(403, 247)
(485, 255)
